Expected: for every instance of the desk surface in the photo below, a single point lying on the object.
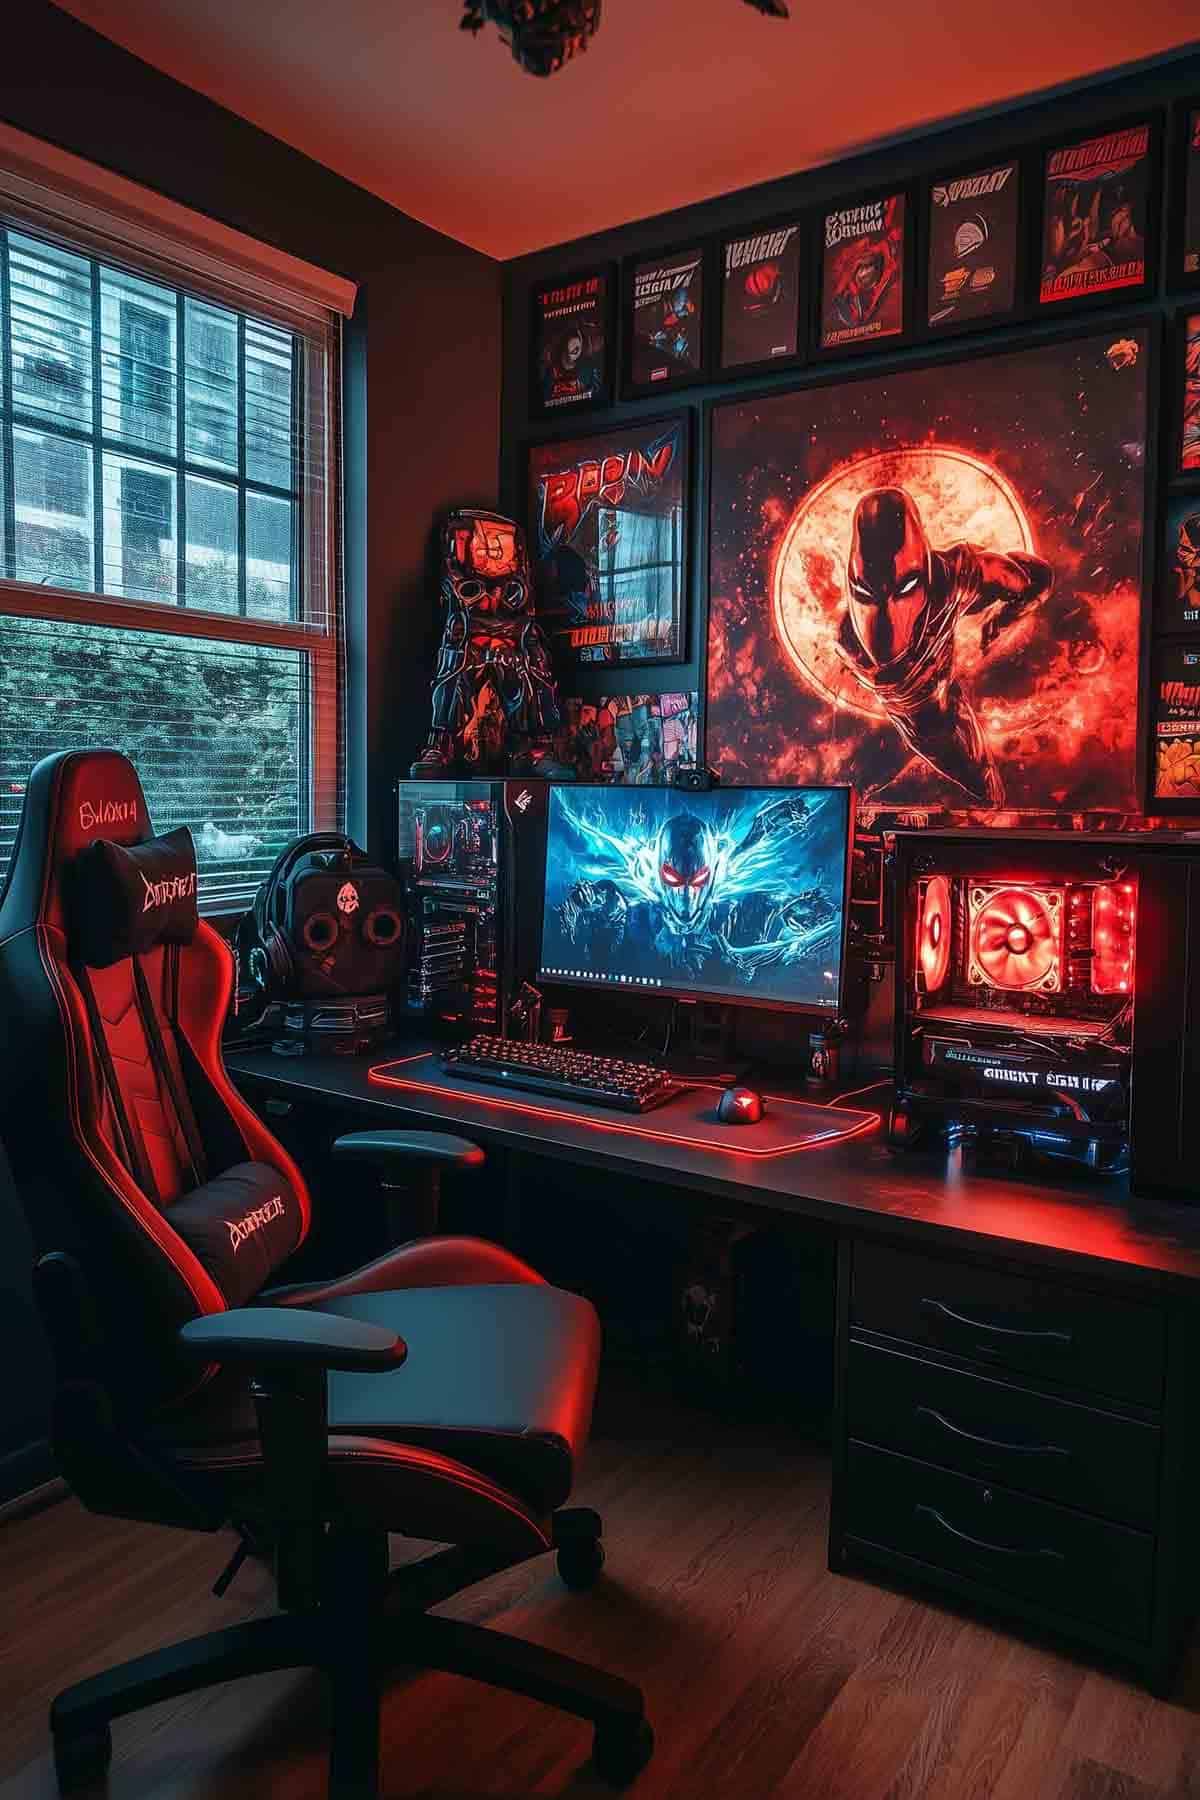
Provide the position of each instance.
(1084, 1225)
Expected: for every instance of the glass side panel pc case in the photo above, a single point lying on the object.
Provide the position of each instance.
(1046, 997)
(729, 894)
(471, 855)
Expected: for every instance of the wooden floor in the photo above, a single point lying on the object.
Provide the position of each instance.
(764, 1674)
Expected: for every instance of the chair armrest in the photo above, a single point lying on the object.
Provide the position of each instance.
(397, 1148)
(292, 1337)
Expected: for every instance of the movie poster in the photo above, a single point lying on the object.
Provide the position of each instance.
(1097, 202)
(1191, 190)
(862, 273)
(607, 534)
(1177, 723)
(1179, 592)
(927, 584)
(1189, 434)
(973, 236)
(760, 296)
(667, 323)
(636, 740)
(571, 343)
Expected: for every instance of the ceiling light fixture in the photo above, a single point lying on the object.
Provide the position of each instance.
(545, 34)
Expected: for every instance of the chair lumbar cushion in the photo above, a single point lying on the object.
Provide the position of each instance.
(129, 897)
(240, 1225)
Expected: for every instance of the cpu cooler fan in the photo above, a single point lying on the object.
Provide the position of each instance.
(1016, 938)
(933, 935)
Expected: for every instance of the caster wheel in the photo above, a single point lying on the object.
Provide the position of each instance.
(621, 1752)
(81, 1760)
(579, 1565)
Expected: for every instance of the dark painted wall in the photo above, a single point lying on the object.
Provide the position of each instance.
(942, 148)
(421, 432)
(422, 395)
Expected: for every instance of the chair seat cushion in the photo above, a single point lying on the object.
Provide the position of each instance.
(498, 1378)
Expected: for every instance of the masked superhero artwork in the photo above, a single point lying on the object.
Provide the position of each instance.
(719, 890)
(493, 657)
(904, 604)
(666, 337)
(1189, 444)
(862, 293)
(928, 584)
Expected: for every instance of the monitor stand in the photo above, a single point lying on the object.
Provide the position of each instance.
(700, 1045)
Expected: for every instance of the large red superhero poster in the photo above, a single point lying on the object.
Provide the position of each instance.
(928, 584)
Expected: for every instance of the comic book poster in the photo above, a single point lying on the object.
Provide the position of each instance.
(572, 350)
(1177, 723)
(1191, 202)
(667, 323)
(862, 273)
(973, 236)
(928, 584)
(760, 296)
(636, 740)
(1179, 590)
(1189, 435)
(1097, 202)
(607, 534)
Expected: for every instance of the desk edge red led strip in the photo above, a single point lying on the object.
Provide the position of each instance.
(857, 1123)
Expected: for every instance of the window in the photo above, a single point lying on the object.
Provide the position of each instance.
(168, 549)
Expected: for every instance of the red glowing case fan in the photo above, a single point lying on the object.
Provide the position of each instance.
(1048, 999)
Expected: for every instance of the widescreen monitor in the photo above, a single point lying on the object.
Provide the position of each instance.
(729, 894)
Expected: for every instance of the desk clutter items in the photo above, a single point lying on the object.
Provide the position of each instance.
(326, 940)
(494, 702)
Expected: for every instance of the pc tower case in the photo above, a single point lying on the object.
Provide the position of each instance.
(472, 855)
(1048, 998)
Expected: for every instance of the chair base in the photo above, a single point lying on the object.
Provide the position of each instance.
(370, 1622)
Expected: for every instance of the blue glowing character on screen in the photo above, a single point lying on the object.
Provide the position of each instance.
(728, 891)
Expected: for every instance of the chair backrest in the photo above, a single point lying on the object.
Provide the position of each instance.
(120, 1120)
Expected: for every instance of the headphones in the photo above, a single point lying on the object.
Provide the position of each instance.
(270, 957)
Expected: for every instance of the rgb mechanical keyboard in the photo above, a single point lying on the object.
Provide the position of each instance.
(570, 1074)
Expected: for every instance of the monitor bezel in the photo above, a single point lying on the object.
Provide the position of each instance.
(718, 996)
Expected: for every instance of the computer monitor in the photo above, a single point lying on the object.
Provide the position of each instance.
(729, 894)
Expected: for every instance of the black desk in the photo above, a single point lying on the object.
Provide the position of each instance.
(1016, 1364)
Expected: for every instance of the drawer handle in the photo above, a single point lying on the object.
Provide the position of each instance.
(1044, 1336)
(973, 1437)
(964, 1537)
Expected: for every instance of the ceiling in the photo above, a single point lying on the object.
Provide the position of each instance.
(676, 100)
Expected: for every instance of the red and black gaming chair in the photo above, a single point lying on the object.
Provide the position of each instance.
(443, 1391)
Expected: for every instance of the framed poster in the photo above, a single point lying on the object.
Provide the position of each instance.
(865, 274)
(762, 297)
(1175, 784)
(928, 583)
(608, 528)
(1185, 199)
(1178, 608)
(1187, 459)
(973, 247)
(571, 334)
(1100, 205)
(634, 740)
(665, 341)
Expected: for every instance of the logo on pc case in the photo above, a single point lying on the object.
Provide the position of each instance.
(254, 1220)
(347, 898)
(167, 891)
(522, 800)
(108, 812)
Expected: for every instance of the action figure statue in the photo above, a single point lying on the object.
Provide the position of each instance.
(492, 656)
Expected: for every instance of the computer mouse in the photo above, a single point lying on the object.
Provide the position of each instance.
(740, 1106)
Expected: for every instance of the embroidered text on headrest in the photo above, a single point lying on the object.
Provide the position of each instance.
(258, 1216)
(108, 812)
(168, 890)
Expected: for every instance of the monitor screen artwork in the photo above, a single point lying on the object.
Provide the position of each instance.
(738, 894)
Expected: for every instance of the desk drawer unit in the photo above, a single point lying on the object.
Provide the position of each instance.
(1061, 1334)
(1002, 1434)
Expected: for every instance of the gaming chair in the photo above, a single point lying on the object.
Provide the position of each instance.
(443, 1391)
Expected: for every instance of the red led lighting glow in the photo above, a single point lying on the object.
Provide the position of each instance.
(851, 1123)
(1114, 921)
(933, 935)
